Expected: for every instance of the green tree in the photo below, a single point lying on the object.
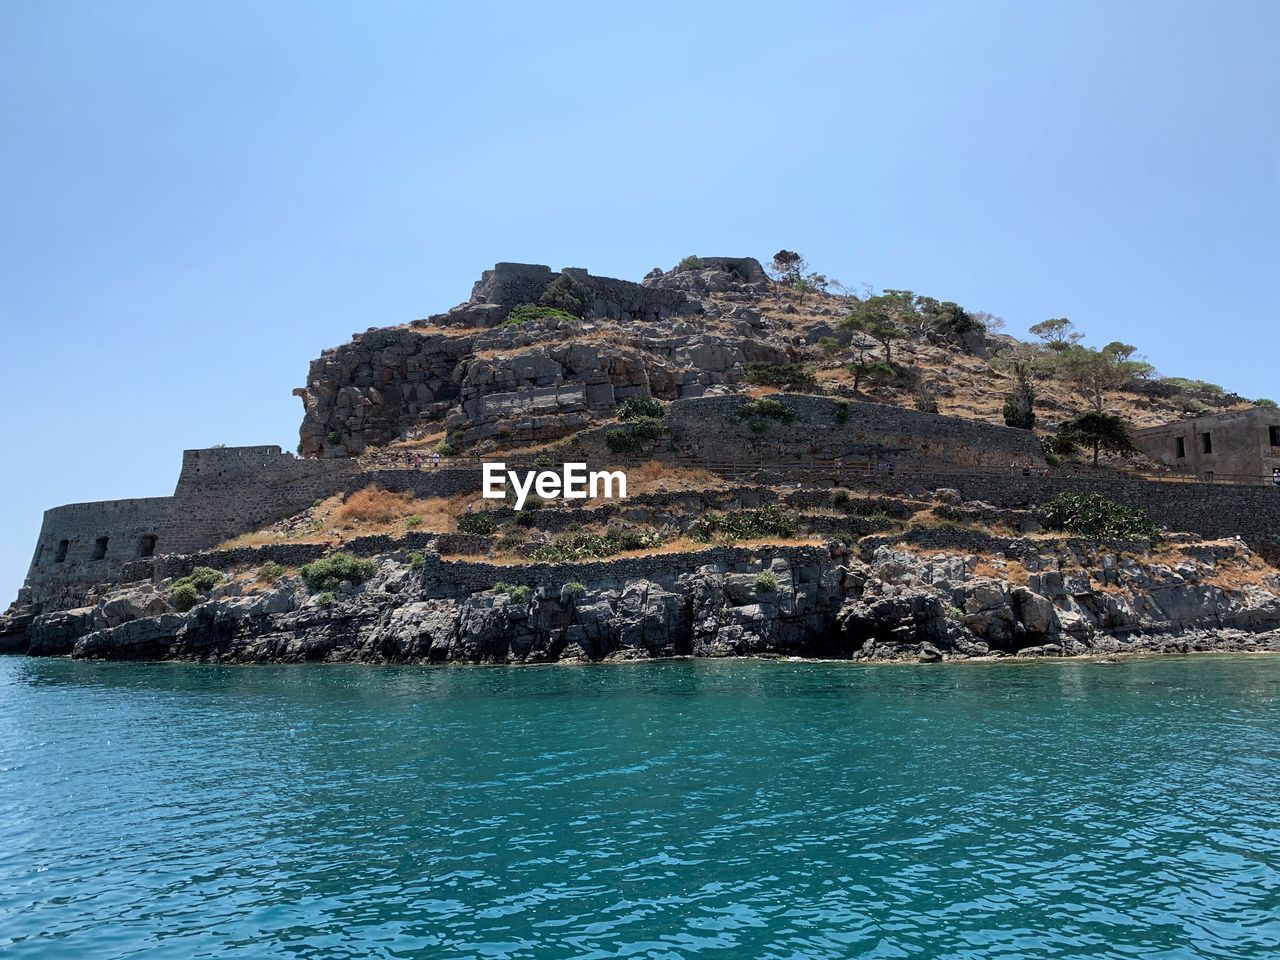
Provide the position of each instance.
(864, 369)
(1092, 373)
(788, 266)
(880, 318)
(945, 317)
(1057, 334)
(1020, 401)
(1099, 430)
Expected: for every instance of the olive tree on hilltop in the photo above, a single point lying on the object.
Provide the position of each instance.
(1094, 373)
(1057, 334)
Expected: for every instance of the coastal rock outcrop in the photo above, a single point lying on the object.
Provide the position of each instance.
(896, 604)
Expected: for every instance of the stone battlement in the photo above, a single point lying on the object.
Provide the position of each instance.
(221, 492)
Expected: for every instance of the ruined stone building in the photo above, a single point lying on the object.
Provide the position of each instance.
(1240, 446)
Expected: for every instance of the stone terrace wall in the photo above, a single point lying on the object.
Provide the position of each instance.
(459, 578)
(1207, 509)
(822, 429)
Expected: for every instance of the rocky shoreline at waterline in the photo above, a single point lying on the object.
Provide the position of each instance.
(1046, 598)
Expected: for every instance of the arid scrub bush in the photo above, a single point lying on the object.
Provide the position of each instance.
(635, 436)
(766, 408)
(327, 599)
(327, 572)
(186, 590)
(758, 412)
(480, 524)
(414, 520)
(205, 578)
(518, 592)
(185, 596)
(689, 263)
(416, 560)
(527, 312)
(786, 376)
(270, 571)
(766, 582)
(574, 588)
(766, 521)
(580, 545)
(641, 408)
(1093, 515)
(569, 294)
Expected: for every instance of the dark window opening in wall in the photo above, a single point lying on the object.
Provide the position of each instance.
(1275, 436)
(147, 545)
(61, 555)
(1179, 447)
(1206, 439)
(1208, 477)
(100, 548)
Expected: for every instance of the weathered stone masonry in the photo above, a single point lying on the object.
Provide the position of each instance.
(221, 492)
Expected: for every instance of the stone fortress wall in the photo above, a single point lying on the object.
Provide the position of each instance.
(508, 285)
(221, 492)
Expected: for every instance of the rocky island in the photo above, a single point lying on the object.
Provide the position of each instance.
(812, 472)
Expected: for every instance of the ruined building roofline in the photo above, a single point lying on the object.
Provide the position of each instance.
(1265, 414)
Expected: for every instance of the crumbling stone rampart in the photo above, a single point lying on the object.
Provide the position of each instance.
(221, 492)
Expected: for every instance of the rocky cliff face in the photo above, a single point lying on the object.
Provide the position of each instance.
(772, 601)
(543, 378)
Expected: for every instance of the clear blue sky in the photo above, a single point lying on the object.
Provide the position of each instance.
(199, 197)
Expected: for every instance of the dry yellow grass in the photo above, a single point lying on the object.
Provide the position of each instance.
(678, 545)
(365, 513)
(256, 538)
(434, 330)
(373, 505)
(1240, 572)
(1013, 571)
(653, 475)
(372, 510)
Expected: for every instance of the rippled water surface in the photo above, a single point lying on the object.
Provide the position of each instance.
(683, 809)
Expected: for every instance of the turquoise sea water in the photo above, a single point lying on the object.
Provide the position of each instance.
(680, 809)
